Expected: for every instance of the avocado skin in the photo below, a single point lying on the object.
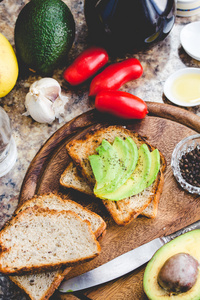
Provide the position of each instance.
(188, 243)
(44, 34)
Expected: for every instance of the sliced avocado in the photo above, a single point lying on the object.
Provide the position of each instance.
(97, 166)
(187, 243)
(137, 182)
(127, 158)
(122, 151)
(128, 155)
(109, 167)
(133, 154)
(155, 167)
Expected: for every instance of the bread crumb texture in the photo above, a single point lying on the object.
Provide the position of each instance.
(41, 238)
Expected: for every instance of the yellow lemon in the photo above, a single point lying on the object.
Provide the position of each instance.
(8, 67)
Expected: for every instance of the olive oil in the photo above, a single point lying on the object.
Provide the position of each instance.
(186, 88)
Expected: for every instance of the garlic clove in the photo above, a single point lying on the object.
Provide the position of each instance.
(48, 87)
(39, 108)
(44, 102)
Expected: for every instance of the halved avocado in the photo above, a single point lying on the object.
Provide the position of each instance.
(136, 183)
(187, 243)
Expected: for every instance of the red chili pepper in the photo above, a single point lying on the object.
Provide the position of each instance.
(115, 75)
(121, 104)
(86, 65)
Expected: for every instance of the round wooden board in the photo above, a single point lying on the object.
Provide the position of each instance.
(164, 127)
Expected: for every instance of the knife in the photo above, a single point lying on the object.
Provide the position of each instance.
(122, 264)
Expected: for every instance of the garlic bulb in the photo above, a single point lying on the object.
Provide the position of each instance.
(44, 101)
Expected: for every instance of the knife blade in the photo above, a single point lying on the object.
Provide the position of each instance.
(122, 264)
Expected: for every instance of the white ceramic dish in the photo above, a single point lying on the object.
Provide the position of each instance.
(187, 8)
(172, 79)
(190, 39)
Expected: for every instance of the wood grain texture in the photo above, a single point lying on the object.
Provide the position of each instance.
(177, 208)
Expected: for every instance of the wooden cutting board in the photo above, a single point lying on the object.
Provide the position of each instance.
(164, 127)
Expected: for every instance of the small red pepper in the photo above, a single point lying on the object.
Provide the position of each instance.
(115, 75)
(85, 65)
(121, 104)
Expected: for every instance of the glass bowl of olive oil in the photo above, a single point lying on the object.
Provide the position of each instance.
(185, 163)
(183, 87)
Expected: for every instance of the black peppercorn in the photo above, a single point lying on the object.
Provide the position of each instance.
(190, 167)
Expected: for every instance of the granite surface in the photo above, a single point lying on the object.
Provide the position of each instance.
(158, 63)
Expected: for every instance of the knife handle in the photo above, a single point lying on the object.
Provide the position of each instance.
(195, 225)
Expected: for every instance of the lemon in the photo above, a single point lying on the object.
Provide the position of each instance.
(8, 66)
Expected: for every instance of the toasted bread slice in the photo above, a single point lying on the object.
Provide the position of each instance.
(41, 286)
(71, 178)
(85, 144)
(38, 239)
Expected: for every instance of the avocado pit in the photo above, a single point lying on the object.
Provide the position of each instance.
(179, 273)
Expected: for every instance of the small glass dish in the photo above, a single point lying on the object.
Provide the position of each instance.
(183, 147)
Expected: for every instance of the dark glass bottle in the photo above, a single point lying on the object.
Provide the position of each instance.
(126, 25)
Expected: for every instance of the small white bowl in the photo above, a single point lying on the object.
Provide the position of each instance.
(169, 86)
(187, 8)
(190, 39)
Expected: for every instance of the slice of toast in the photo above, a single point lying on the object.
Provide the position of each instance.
(71, 178)
(38, 240)
(41, 286)
(85, 144)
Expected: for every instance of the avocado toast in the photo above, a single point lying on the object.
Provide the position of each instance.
(84, 145)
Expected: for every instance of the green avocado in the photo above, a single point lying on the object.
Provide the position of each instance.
(133, 154)
(97, 166)
(44, 34)
(137, 181)
(155, 167)
(187, 243)
(128, 156)
(108, 165)
(122, 152)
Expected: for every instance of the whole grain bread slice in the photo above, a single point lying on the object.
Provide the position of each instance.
(55, 202)
(85, 144)
(41, 286)
(38, 239)
(71, 178)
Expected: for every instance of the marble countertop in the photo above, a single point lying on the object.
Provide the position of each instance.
(158, 63)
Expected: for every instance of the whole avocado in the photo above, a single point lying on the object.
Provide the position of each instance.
(173, 271)
(44, 34)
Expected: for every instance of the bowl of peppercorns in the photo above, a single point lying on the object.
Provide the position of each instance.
(185, 163)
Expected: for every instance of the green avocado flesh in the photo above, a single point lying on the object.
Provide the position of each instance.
(110, 164)
(122, 165)
(136, 182)
(187, 243)
(155, 167)
(121, 170)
